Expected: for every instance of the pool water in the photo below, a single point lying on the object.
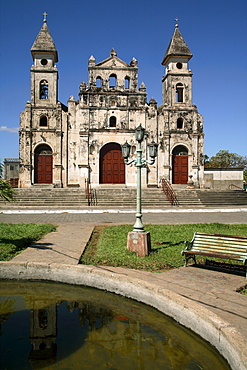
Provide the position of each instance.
(59, 326)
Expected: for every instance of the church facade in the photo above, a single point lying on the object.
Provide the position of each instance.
(66, 145)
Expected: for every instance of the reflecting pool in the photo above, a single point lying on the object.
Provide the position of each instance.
(60, 326)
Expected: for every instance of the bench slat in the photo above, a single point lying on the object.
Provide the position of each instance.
(221, 236)
(223, 241)
(220, 244)
(225, 248)
(220, 248)
(216, 255)
(237, 240)
(242, 255)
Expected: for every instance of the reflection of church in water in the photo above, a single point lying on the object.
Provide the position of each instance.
(43, 333)
(64, 145)
(98, 324)
(44, 328)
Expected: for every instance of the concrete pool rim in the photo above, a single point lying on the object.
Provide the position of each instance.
(222, 335)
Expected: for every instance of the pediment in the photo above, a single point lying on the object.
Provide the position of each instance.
(112, 62)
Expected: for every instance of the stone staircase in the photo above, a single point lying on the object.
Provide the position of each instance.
(188, 198)
(126, 198)
(119, 197)
(47, 198)
(226, 198)
(112, 197)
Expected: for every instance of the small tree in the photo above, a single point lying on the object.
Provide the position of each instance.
(6, 190)
(245, 175)
(225, 159)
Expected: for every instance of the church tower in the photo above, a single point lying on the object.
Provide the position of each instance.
(44, 73)
(177, 83)
(41, 127)
(180, 124)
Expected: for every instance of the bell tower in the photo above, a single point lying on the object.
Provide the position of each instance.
(44, 73)
(177, 82)
(180, 123)
(43, 122)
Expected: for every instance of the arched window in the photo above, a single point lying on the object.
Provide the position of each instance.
(127, 83)
(98, 82)
(113, 121)
(113, 80)
(43, 90)
(179, 93)
(91, 149)
(43, 121)
(179, 123)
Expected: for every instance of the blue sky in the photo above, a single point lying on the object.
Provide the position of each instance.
(215, 31)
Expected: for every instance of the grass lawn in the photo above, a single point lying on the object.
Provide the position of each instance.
(14, 238)
(107, 245)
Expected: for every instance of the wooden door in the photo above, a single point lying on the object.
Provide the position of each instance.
(180, 169)
(112, 166)
(43, 169)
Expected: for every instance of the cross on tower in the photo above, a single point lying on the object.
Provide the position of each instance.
(45, 15)
(176, 25)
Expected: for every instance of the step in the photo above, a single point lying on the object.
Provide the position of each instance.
(74, 198)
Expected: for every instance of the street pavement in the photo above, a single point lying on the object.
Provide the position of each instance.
(102, 216)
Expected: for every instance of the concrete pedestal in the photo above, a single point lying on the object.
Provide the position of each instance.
(139, 243)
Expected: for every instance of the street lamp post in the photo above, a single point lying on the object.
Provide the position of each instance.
(139, 239)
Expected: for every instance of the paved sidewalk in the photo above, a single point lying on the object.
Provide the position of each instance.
(230, 215)
(215, 290)
(64, 246)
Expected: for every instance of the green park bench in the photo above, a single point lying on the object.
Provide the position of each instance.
(215, 245)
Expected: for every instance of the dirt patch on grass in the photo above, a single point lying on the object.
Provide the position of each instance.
(93, 241)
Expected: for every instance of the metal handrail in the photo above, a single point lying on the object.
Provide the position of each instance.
(169, 192)
(90, 194)
(88, 191)
(235, 186)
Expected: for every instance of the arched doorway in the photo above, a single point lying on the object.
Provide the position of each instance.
(43, 162)
(112, 166)
(180, 165)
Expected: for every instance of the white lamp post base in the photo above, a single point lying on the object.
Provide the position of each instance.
(140, 243)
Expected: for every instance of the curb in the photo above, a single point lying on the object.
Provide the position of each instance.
(125, 210)
(224, 337)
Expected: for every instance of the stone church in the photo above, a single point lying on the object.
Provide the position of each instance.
(65, 145)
